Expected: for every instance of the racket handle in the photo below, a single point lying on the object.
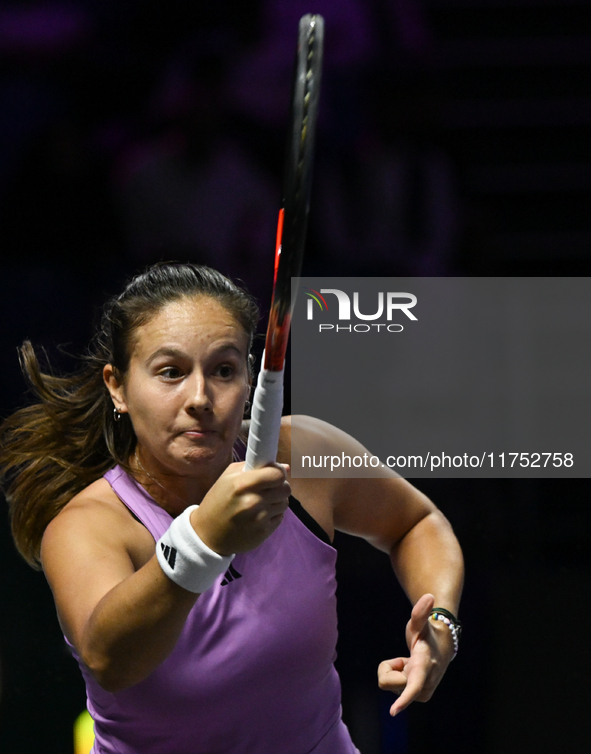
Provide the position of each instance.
(265, 422)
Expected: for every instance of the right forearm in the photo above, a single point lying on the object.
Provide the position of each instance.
(134, 627)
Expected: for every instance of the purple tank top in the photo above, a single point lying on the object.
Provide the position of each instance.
(252, 672)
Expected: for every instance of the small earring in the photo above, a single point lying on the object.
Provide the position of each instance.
(116, 414)
(247, 407)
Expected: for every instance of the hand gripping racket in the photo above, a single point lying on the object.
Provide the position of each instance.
(267, 403)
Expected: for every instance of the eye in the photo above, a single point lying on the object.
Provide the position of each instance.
(170, 373)
(226, 371)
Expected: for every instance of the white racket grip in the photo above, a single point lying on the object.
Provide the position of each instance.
(265, 422)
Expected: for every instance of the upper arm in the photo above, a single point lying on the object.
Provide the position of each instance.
(381, 509)
(85, 554)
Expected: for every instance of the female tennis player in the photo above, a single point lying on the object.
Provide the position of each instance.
(199, 598)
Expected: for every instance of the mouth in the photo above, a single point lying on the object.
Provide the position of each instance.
(198, 432)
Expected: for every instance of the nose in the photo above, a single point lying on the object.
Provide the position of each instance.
(198, 394)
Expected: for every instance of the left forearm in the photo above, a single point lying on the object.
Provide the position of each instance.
(428, 563)
(428, 559)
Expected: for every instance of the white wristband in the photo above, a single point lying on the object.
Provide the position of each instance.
(186, 559)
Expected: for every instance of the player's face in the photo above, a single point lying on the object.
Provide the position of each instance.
(186, 387)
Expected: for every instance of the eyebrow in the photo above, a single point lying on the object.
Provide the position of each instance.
(176, 353)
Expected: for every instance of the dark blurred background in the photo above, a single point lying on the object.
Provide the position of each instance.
(454, 139)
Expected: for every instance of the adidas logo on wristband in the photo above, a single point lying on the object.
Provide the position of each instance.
(169, 553)
(186, 559)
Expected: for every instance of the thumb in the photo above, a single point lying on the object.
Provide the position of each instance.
(420, 615)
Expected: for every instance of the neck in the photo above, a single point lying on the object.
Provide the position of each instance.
(173, 493)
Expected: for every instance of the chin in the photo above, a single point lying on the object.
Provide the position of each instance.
(207, 455)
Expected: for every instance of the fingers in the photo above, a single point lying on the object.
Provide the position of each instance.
(267, 486)
(266, 477)
(408, 676)
(270, 485)
(404, 677)
(391, 676)
(414, 686)
(242, 508)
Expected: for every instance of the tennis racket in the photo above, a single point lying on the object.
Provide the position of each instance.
(267, 403)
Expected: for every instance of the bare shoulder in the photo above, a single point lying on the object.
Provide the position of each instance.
(90, 546)
(98, 499)
(315, 434)
(93, 527)
(315, 437)
(380, 507)
(95, 513)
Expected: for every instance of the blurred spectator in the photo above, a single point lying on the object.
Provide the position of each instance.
(42, 29)
(387, 200)
(193, 191)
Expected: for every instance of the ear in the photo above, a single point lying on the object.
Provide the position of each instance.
(115, 388)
